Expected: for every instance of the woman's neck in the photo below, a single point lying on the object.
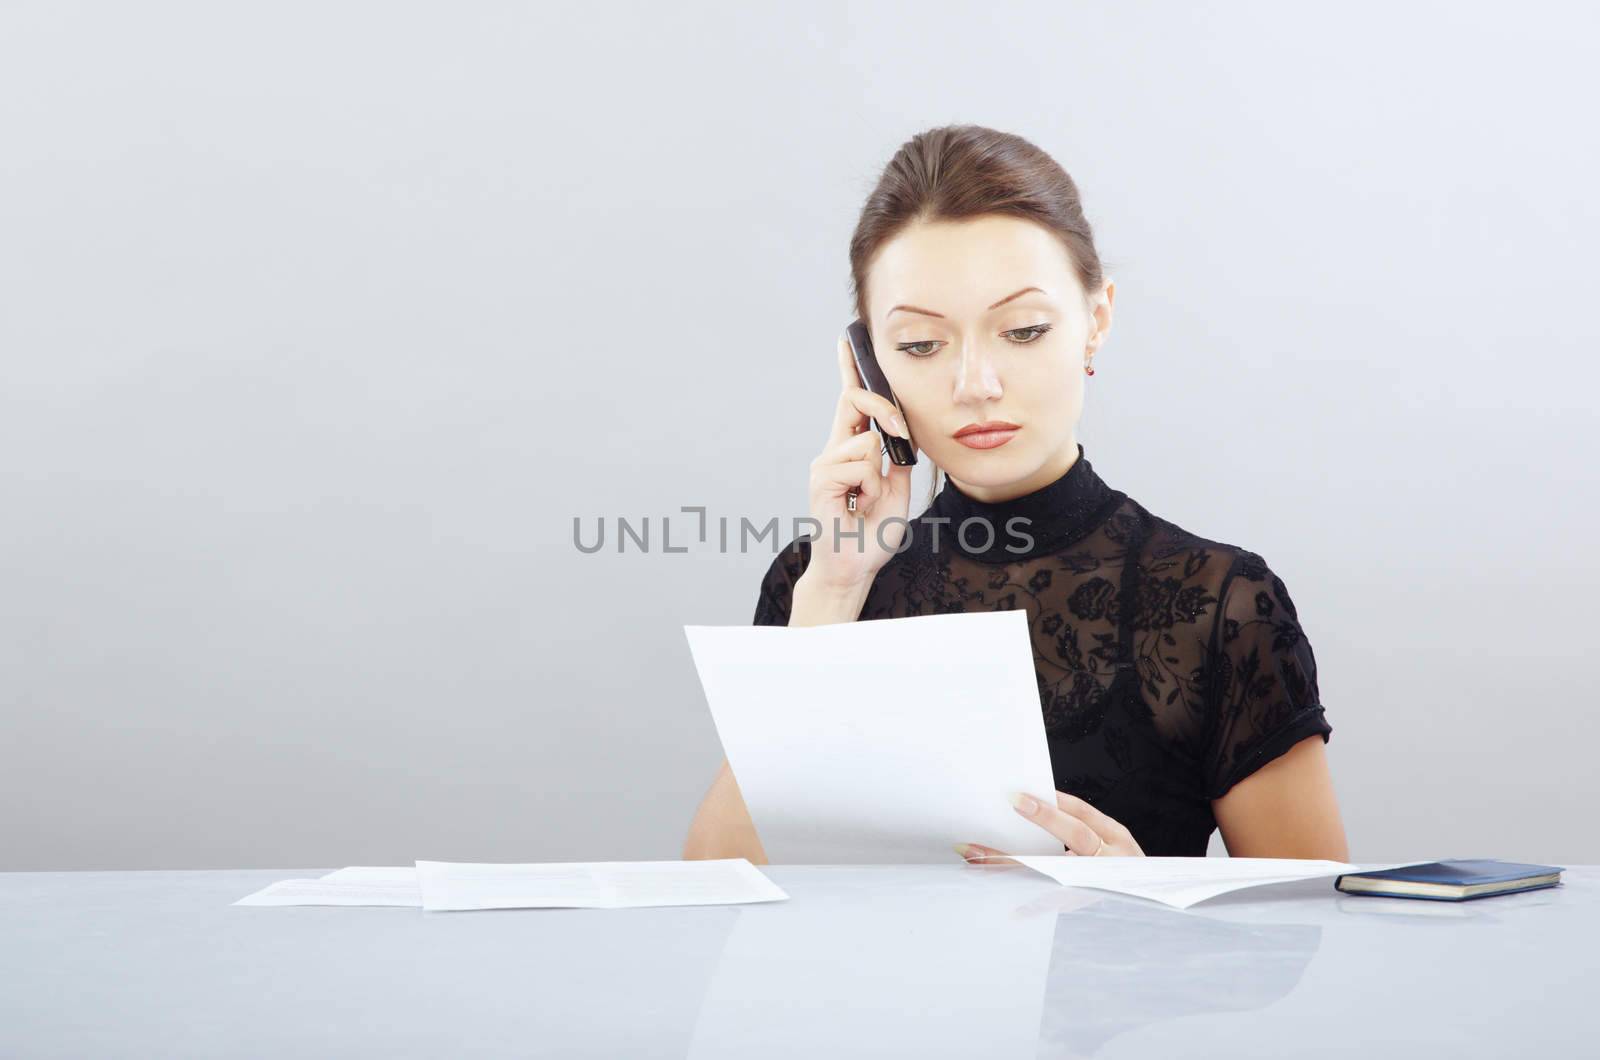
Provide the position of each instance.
(1050, 471)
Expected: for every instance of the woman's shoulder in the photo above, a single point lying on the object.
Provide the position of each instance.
(776, 594)
(790, 561)
(1169, 550)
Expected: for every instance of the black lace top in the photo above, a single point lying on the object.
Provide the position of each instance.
(1170, 666)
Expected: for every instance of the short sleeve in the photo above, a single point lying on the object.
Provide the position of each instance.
(777, 585)
(1263, 696)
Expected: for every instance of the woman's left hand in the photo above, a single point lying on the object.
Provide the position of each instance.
(1085, 830)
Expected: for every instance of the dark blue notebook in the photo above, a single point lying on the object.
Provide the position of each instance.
(1451, 881)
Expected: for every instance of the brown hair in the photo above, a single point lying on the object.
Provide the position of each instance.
(957, 172)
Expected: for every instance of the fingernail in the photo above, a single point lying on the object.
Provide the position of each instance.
(962, 848)
(1025, 804)
(897, 426)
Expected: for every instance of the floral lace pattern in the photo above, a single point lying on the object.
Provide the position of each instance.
(1169, 666)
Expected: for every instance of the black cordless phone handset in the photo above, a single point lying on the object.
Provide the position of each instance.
(901, 451)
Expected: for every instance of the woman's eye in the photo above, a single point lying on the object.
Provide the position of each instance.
(1033, 333)
(1020, 336)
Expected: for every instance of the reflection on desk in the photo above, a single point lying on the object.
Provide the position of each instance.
(868, 961)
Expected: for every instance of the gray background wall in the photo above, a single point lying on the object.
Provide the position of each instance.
(322, 323)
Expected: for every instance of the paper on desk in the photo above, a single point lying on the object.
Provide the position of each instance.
(352, 886)
(396, 874)
(887, 740)
(592, 884)
(1181, 882)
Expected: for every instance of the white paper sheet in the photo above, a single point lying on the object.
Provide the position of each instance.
(1181, 882)
(882, 741)
(592, 884)
(396, 887)
(396, 874)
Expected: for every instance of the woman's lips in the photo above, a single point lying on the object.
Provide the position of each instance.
(987, 439)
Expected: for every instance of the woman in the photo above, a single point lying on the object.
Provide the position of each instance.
(1179, 691)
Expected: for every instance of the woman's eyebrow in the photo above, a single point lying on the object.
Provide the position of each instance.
(997, 305)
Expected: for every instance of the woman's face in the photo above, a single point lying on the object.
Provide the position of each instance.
(985, 320)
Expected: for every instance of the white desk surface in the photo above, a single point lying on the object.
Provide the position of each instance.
(908, 960)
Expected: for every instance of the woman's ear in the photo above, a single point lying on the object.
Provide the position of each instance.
(1100, 314)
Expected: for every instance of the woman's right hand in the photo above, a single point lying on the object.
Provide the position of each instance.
(853, 460)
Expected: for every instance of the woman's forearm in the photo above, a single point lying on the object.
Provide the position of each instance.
(818, 604)
(722, 827)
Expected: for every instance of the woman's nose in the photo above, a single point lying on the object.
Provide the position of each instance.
(977, 378)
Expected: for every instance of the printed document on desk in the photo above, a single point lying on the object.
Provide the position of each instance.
(448, 885)
(1182, 881)
(356, 885)
(886, 740)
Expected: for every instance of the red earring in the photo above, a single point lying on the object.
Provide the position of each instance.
(1088, 368)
